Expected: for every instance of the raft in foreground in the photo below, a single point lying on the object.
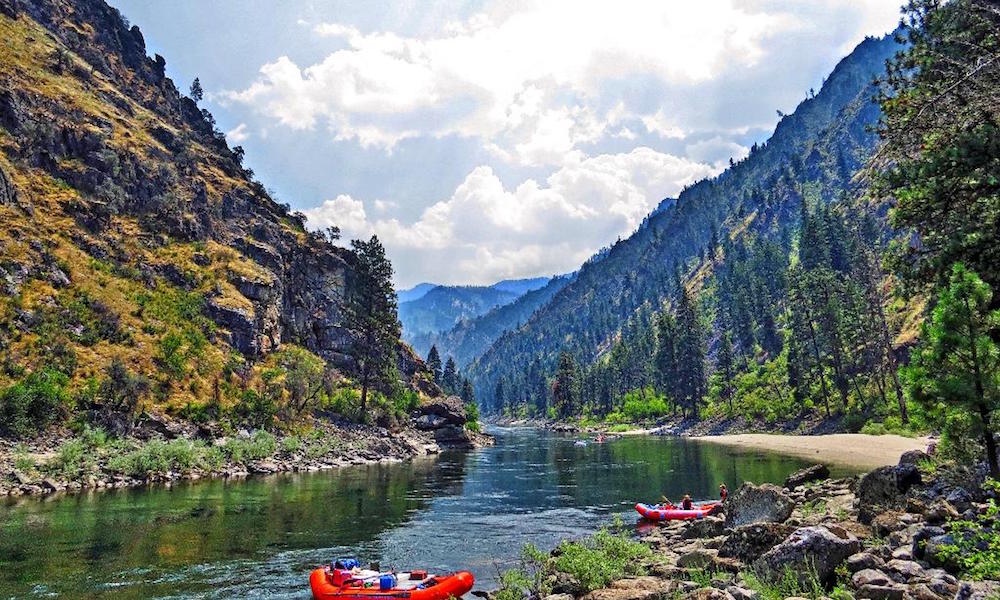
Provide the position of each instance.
(672, 513)
(415, 585)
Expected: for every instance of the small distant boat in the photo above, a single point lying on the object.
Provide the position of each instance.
(669, 512)
(580, 443)
(334, 582)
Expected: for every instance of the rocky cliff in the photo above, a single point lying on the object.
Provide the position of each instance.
(132, 231)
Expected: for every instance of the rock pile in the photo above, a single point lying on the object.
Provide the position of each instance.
(879, 537)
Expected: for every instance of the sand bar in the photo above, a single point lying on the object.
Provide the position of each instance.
(848, 449)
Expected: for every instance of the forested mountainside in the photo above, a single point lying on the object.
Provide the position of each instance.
(751, 213)
(468, 339)
(141, 263)
(442, 307)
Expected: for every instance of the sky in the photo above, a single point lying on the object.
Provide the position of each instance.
(487, 140)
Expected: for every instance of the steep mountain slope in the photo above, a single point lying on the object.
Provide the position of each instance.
(133, 235)
(813, 152)
(467, 340)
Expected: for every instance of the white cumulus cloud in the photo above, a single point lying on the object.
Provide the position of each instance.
(486, 231)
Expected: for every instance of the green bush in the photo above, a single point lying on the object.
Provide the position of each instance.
(261, 445)
(291, 444)
(602, 559)
(34, 403)
(976, 549)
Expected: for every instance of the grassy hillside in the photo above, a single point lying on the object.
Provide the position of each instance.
(140, 261)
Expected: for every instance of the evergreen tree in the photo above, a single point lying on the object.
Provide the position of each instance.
(434, 364)
(468, 395)
(449, 377)
(566, 389)
(196, 92)
(370, 315)
(941, 133)
(500, 396)
(724, 365)
(956, 371)
(691, 382)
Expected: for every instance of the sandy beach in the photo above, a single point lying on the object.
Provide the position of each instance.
(849, 449)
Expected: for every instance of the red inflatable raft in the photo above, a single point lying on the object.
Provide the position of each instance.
(670, 512)
(330, 583)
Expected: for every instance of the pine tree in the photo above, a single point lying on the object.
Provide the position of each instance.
(500, 395)
(566, 389)
(692, 381)
(468, 395)
(370, 315)
(956, 371)
(434, 364)
(449, 377)
(196, 92)
(724, 364)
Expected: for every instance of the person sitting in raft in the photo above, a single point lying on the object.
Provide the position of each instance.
(723, 492)
(686, 503)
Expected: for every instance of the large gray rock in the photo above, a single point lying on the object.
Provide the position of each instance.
(758, 504)
(803, 476)
(448, 411)
(808, 550)
(884, 489)
(870, 577)
(709, 527)
(749, 542)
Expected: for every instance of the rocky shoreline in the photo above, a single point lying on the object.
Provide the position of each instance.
(172, 451)
(881, 536)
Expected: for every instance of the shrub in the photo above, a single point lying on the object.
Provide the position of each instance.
(72, 458)
(976, 547)
(291, 444)
(602, 559)
(34, 403)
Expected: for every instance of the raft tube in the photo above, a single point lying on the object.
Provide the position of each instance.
(672, 513)
(433, 587)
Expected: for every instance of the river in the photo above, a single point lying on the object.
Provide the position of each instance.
(260, 537)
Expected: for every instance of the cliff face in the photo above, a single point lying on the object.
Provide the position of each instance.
(129, 221)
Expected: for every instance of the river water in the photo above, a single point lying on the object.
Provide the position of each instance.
(259, 538)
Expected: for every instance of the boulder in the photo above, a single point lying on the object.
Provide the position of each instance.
(742, 593)
(748, 542)
(449, 409)
(50, 485)
(803, 476)
(885, 489)
(880, 592)
(870, 577)
(816, 549)
(758, 504)
(696, 559)
(906, 569)
(978, 590)
(864, 560)
(710, 593)
(913, 457)
(638, 588)
(887, 522)
(920, 539)
(709, 527)
(960, 499)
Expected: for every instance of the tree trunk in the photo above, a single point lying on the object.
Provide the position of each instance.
(364, 390)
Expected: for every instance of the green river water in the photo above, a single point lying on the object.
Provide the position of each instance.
(260, 537)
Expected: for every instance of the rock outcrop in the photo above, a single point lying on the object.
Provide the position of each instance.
(885, 489)
(751, 503)
(810, 550)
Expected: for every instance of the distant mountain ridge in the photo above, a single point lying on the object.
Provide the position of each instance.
(427, 309)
